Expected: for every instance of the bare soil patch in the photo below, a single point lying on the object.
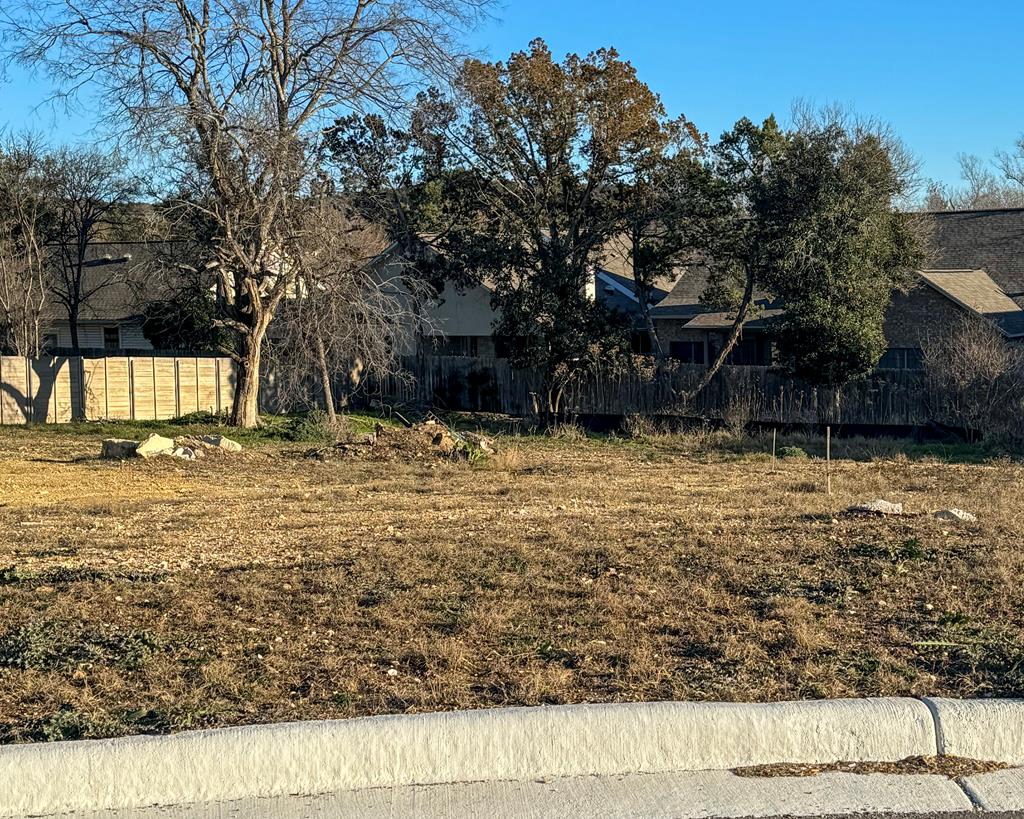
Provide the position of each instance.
(152, 596)
(952, 767)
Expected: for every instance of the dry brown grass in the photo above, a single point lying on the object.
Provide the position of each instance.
(154, 596)
(952, 767)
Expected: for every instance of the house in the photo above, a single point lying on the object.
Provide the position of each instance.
(119, 281)
(977, 269)
(461, 322)
(110, 322)
(111, 316)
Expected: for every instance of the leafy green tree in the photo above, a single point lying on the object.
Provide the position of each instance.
(545, 148)
(816, 223)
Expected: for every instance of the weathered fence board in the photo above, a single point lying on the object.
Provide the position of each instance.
(14, 404)
(137, 388)
(759, 394)
(166, 386)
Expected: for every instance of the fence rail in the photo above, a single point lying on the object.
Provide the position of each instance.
(63, 388)
(760, 394)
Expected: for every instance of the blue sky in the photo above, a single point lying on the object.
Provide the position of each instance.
(947, 76)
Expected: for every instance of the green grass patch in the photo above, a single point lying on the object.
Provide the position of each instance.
(300, 428)
(50, 645)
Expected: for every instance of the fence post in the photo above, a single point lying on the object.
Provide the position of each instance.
(30, 405)
(177, 389)
(131, 388)
(106, 391)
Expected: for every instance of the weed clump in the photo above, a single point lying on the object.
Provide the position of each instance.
(50, 645)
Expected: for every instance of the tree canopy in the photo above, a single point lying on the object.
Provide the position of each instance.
(816, 225)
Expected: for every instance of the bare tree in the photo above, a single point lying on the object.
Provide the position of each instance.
(982, 186)
(977, 380)
(353, 313)
(90, 192)
(24, 220)
(235, 96)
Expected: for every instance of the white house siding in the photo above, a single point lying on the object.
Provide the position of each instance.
(90, 334)
(463, 314)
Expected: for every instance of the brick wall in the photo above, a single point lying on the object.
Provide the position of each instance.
(915, 315)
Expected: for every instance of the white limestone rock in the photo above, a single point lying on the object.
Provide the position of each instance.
(954, 514)
(154, 445)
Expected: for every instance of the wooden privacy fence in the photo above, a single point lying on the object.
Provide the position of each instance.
(137, 388)
(759, 394)
(60, 389)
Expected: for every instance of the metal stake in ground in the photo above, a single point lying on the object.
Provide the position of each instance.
(828, 459)
(773, 448)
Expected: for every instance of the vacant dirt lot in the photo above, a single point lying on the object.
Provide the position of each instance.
(163, 595)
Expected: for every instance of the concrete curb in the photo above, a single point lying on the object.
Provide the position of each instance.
(981, 729)
(496, 744)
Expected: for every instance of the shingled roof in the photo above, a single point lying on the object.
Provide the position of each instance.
(989, 240)
(684, 299)
(975, 291)
(983, 250)
(125, 277)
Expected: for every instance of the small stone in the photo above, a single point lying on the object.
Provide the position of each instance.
(154, 445)
(877, 507)
(392, 672)
(955, 514)
(221, 442)
(119, 448)
(184, 452)
(197, 445)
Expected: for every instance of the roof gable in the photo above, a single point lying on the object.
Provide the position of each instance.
(975, 291)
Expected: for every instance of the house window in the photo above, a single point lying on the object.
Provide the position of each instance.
(689, 352)
(901, 358)
(640, 342)
(746, 353)
(111, 339)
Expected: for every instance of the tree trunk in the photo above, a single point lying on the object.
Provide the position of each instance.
(642, 289)
(73, 328)
(325, 378)
(730, 341)
(656, 349)
(245, 412)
